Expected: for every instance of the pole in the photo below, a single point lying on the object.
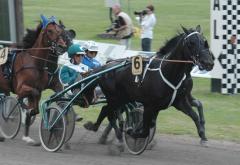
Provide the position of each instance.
(19, 20)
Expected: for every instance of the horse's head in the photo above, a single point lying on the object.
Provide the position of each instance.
(68, 35)
(55, 35)
(197, 48)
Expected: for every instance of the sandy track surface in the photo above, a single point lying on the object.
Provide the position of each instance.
(170, 150)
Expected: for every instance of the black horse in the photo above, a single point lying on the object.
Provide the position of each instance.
(187, 86)
(163, 84)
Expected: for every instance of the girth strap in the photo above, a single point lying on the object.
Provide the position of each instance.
(175, 88)
(27, 67)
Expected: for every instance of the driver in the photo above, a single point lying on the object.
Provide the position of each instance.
(91, 49)
(89, 59)
(69, 73)
(73, 72)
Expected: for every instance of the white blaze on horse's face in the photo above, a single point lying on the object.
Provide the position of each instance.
(199, 50)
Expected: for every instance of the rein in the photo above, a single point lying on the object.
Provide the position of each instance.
(46, 48)
(35, 67)
(49, 73)
(39, 58)
(16, 49)
(27, 67)
(174, 61)
(156, 58)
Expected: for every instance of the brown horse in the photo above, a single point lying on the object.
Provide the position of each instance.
(29, 76)
(52, 67)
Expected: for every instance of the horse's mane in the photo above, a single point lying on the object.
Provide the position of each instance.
(169, 45)
(31, 36)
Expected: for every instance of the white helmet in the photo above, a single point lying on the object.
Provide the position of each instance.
(91, 46)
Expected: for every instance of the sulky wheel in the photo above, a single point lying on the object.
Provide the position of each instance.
(140, 108)
(10, 117)
(70, 120)
(134, 119)
(52, 135)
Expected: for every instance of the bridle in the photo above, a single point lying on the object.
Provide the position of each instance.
(195, 56)
(53, 43)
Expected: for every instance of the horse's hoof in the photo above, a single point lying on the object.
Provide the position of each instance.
(204, 143)
(29, 141)
(90, 126)
(67, 146)
(121, 148)
(102, 140)
(78, 118)
(152, 145)
(35, 144)
(2, 139)
(114, 150)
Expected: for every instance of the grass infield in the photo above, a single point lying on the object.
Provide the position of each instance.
(89, 18)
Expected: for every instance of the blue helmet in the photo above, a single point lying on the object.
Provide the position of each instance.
(75, 49)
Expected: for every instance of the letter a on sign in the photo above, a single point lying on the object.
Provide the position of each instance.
(136, 65)
(216, 5)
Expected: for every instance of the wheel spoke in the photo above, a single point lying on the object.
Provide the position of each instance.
(53, 139)
(134, 121)
(10, 117)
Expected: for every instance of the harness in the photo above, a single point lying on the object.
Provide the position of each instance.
(28, 66)
(175, 88)
(7, 68)
(50, 75)
(52, 45)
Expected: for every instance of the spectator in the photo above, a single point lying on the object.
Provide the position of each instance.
(147, 23)
(110, 4)
(125, 28)
(91, 49)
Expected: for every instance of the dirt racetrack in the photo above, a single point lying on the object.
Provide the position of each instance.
(170, 150)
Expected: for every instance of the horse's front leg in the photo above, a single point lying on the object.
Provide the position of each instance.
(33, 96)
(94, 126)
(117, 147)
(104, 136)
(107, 130)
(186, 108)
(197, 103)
